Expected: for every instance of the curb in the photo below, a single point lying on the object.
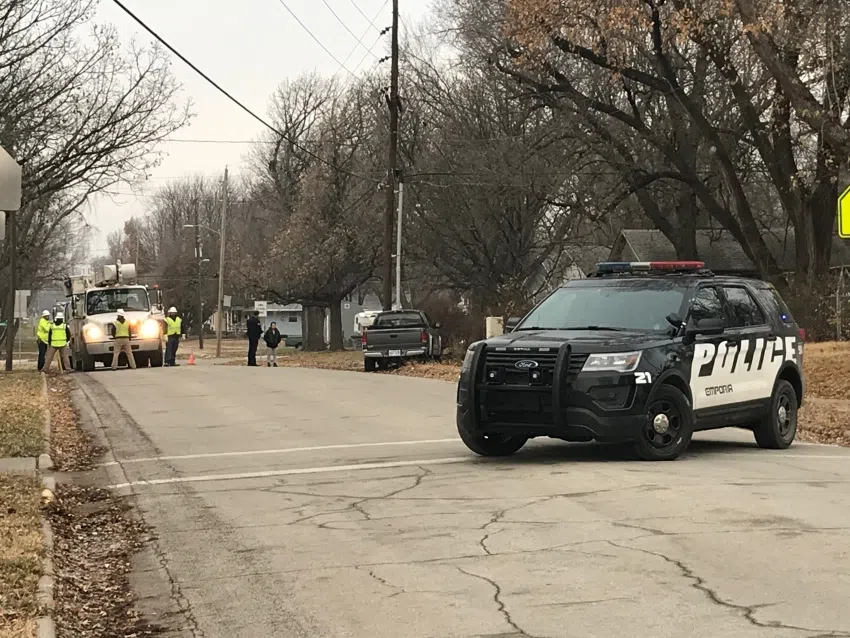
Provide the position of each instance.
(46, 584)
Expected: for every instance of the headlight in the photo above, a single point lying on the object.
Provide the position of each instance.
(619, 362)
(92, 332)
(149, 329)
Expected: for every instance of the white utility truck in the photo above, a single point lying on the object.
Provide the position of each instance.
(94, 304)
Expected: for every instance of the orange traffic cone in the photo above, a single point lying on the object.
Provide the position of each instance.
(191, 358)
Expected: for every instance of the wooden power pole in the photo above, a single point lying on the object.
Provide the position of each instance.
(392, 169)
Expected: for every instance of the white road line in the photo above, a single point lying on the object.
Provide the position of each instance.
(316, 448)
(304, 470)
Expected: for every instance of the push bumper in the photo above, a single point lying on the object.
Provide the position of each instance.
(574, 408)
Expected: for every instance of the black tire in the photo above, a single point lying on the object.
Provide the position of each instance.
(368, 364)
(778, 428)
(383, 364)
(491, 445)
(156, 359)
(76, 362)
(86, 362)
(656, 445)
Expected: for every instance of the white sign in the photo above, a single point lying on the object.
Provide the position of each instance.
(10, 182)
(21, 303)
(262, 307)
(227, 301)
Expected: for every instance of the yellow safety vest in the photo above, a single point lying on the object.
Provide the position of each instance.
(174, 326)
(122, 330)
(57, 336)
(44, 329)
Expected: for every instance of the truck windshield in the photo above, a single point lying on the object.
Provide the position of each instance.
(626, 307)
(103, 301)
(399, 320)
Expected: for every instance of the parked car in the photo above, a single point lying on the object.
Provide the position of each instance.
(639, 353)
(399, 335)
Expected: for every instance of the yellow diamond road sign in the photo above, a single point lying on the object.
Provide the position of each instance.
(844, 214)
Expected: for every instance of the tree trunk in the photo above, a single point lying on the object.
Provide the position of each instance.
(314, 329)
(335, 319)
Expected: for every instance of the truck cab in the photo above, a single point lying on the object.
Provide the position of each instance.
(94, 303)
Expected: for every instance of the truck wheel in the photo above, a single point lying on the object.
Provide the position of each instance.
(777, 429)
(491, 444)
(86, 362)
(368, 365)
(142, 360)
(668, 428)
(156, 359)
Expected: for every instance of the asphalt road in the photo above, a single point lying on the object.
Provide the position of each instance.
(299, 503)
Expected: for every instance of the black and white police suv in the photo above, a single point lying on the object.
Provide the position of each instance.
(641, 353)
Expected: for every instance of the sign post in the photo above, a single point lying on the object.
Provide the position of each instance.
(10, 201)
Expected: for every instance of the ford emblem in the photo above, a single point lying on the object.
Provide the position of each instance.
(525, 364)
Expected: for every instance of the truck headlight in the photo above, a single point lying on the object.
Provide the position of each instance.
(92, 332)
(149, 329)
(618, 362)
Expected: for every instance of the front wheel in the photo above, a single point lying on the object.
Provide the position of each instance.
(668, 427)
(491, 444)
(369, 365)
(156, 359)
(777, 429)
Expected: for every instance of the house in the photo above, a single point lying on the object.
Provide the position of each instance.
(720, 251)
(582, 261)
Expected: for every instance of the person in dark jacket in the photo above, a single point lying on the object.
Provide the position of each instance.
(255, 331)
(272, 339)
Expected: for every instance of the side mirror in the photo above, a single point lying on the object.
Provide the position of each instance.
(438, 325)
(707, 327)
(512, 323)
(675, 320)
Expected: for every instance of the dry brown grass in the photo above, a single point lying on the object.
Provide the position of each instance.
(21, 414)
(21, 551)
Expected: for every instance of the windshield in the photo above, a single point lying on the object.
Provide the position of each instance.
(399, 320)
(627, 307)
(102, 301)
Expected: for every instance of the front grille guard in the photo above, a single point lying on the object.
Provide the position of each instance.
(478, 390)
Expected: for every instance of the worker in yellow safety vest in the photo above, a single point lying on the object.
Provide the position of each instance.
(173, 331)
(58, 337)
(122, 341)
(42, 334)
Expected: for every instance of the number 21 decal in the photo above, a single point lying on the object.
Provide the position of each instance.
(643, 378)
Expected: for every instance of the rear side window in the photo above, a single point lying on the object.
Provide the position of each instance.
(741, 309)
(775, 305)
(706, 305)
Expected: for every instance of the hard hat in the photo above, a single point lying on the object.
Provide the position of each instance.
(46, 313)
(120, 313)
(60, 315)
(173, 309)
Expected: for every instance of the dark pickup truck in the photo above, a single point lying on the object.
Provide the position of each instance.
(398, 335)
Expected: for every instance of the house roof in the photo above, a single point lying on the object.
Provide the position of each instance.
(719, 250)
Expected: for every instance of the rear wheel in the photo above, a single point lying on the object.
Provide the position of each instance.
(668, 428)
(491, 444)
(369, 365)
(777, 429)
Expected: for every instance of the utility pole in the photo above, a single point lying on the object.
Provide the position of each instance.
(398, 246)
(221, 255)
(200, 287)
(392, 168)
(13, 285)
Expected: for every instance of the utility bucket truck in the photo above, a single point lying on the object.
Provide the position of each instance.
(94, 303)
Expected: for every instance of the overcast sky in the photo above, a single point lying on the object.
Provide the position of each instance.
(249, 47)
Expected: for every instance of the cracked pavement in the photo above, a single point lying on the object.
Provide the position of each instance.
(431, 542)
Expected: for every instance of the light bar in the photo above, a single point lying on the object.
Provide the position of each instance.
(645, 266)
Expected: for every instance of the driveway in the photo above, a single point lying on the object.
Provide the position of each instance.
(294, 502)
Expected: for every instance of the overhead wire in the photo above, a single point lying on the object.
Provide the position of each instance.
(224, 92)
(360, 41)
(346, 27)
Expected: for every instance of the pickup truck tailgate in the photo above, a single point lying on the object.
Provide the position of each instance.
(393, 338)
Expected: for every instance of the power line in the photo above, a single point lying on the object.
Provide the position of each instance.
(186, 61)
(360, 11)
(346, 27)
(313, 35)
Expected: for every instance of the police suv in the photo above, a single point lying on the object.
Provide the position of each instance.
(641, 353)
